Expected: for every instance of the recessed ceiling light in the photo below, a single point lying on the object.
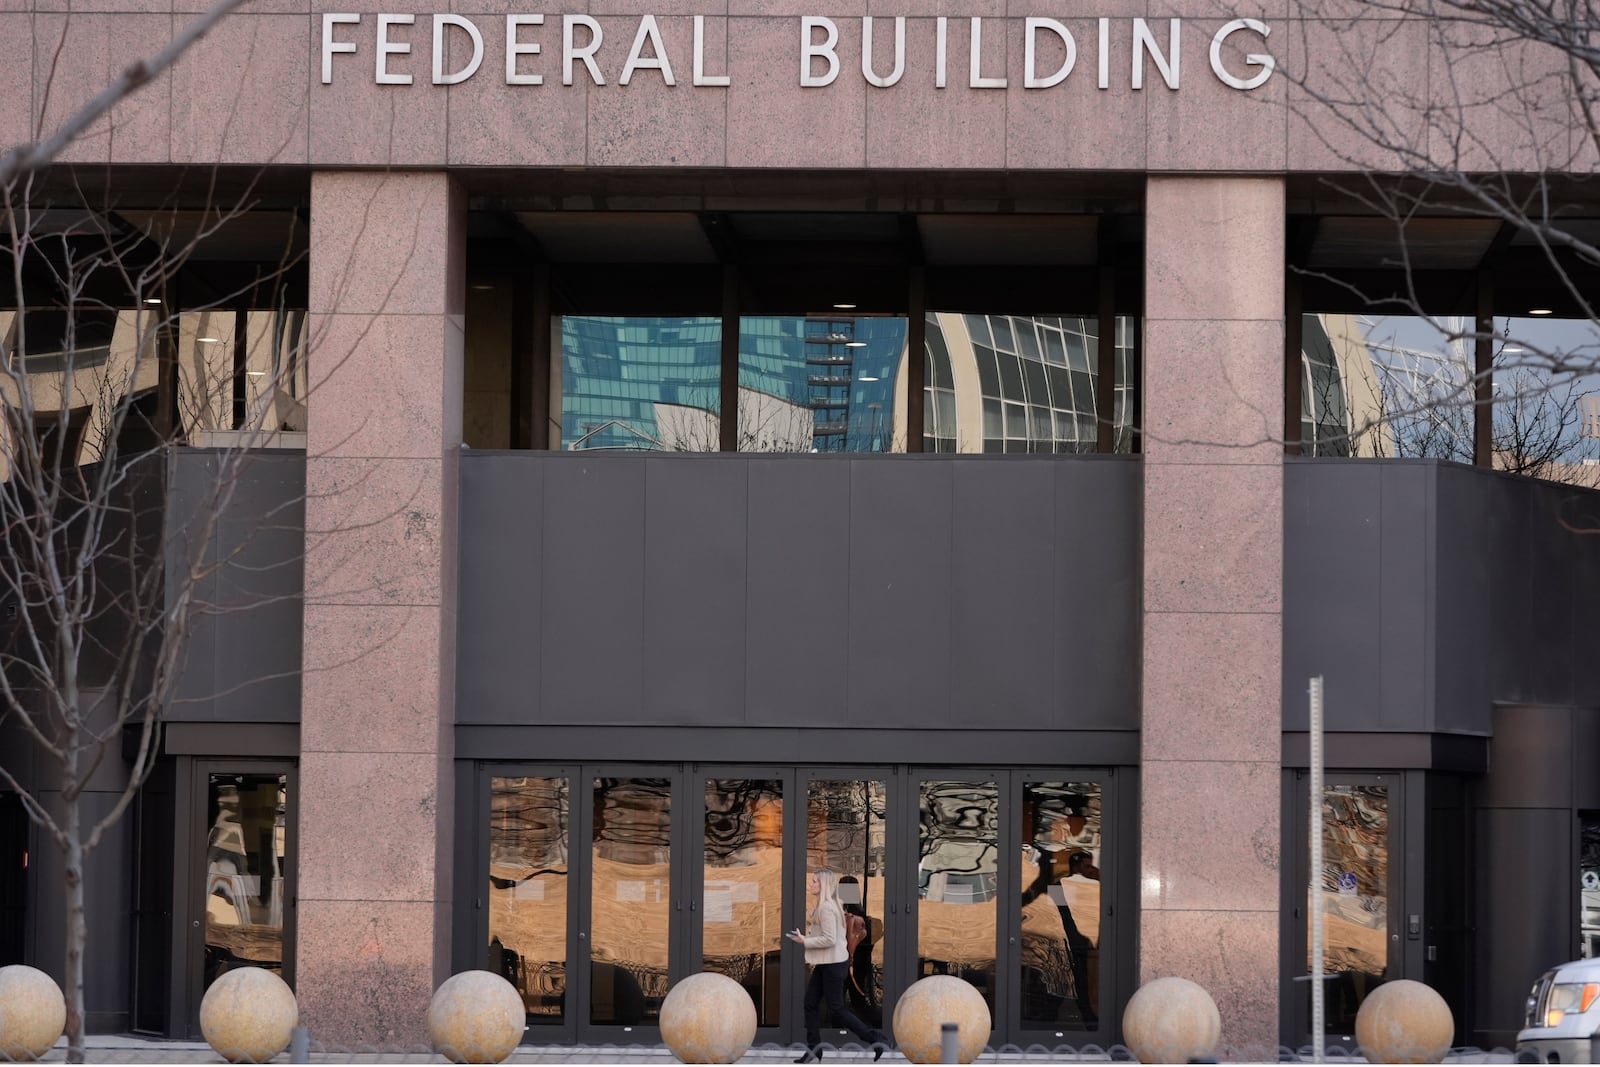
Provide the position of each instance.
(845, 307)
(152, 300)
(208, 340)
(1540, 311)
(855, 344)
(867, 378)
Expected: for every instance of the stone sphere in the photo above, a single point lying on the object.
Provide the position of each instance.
(1171, 1020)
(1404, 1022)
(476, 1017)
(930, 1003)
(32, 1013)
(248, 1015)
(708, 1018)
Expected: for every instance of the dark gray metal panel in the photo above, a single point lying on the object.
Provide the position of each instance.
(1530, 758)
(729, 744)
(107, 887)
(1526, 914)
(187, 546)
(797, 640)
(592, 644)
(900, 594)
(1333, 590)
(243, 654)
(1461, 619)
(1003, 635)
(266, 740)
(1390, 750)
(260, 579)
(1404, 616)
(820, 589)
(1096, 594)
(1586, 759)
(694, 592)
(501, 622)
(1531, 599)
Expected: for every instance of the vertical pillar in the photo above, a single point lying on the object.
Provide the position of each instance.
(1211, 726)
(377, 703)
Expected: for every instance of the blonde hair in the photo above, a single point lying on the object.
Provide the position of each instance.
(827, 887)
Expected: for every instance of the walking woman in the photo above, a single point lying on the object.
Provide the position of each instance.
(829, 957)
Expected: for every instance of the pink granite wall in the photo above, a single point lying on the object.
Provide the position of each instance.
(387, 298)
(1213, 590)
(252, 90)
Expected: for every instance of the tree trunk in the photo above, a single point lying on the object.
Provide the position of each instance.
(77, 931)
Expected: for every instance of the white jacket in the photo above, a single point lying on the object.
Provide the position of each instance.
(825, 940)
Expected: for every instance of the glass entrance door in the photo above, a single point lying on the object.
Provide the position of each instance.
(606, 884)
(1358, 890)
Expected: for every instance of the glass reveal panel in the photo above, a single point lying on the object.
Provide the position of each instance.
(1023, 383)
(958, 881)
(822, 383)
(1589, 885)
(244, 872)
(1059, 979)
(741, 906)
(637, 384)
(528, 842)
(1355, 893)
(631, 883)
(846, 829)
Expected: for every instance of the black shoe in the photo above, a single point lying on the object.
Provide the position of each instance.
(880, 1045)
(811, 1055)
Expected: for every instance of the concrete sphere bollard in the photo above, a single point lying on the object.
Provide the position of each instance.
(248, 1015)
(708, 1018)
(32, 1013)
(1172, 1020)
(476, 1017)
(930, 1003)
(1404, 1022)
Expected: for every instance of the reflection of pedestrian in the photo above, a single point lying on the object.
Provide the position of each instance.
(824, 940)
(1078, 945)
(862, 988)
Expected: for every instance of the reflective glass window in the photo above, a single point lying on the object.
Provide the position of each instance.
(528, 857)
(242, 377)
(245, 850)
(1025, 383)
(958, 881)
(1354, 884)
(1405, 386)
(821, 383)
(1059, 979)
(1589, 885)
(638, 384)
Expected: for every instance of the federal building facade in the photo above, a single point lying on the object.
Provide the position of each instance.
(940, 441)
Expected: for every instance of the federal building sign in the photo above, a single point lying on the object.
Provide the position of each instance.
(537, 48)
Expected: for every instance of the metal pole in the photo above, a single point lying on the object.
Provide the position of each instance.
(1314, 888)
(949, 1051)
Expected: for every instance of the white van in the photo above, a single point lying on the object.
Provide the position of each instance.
(1563, 1021)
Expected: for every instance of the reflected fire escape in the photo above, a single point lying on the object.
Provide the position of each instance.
(830, 372)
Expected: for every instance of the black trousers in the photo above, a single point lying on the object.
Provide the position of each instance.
(827, 983)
